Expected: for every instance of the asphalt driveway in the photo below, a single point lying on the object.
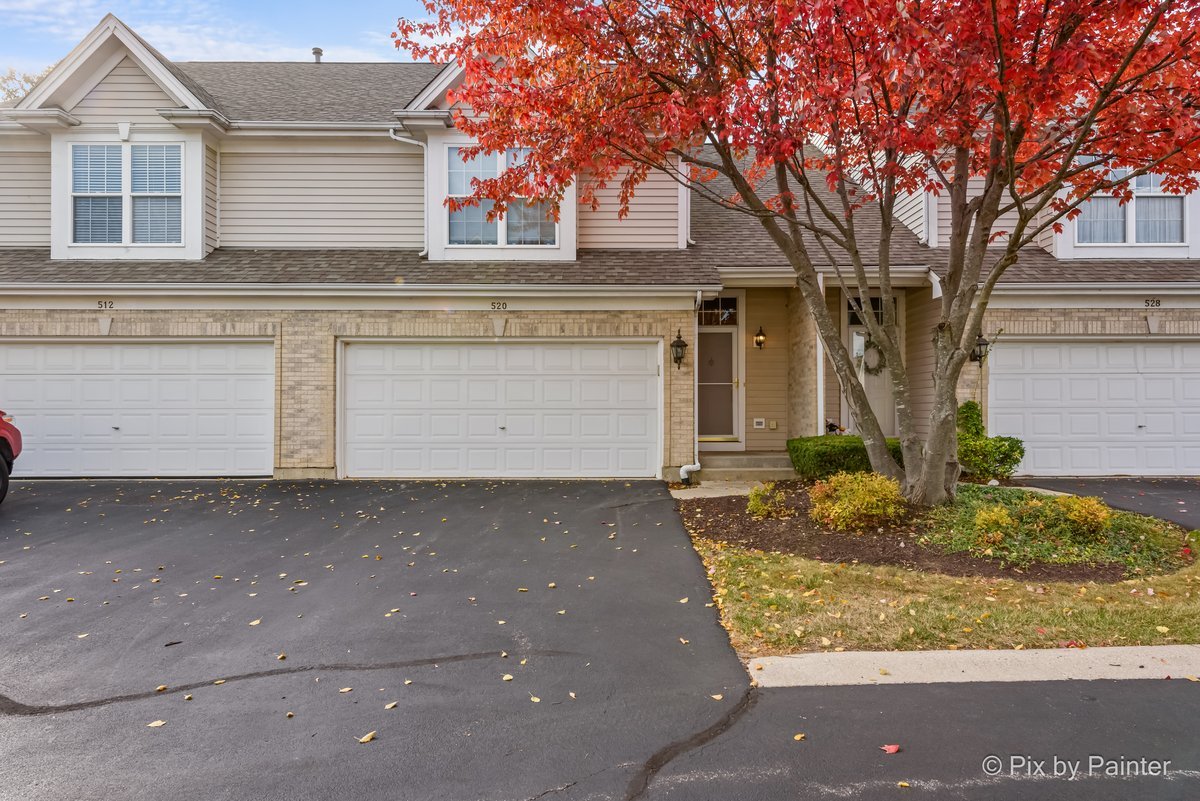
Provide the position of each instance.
(259, 599)
(1174, 499)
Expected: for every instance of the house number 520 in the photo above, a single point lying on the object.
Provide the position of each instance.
(499, 305)
(1153, 303)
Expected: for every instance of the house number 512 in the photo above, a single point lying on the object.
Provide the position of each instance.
(1153, 303)
(104, 304)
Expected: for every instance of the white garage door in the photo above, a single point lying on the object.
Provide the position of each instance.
(501, 410)
(141, 409)
(1104, 408)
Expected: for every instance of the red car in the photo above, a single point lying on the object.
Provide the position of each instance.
(10, 449)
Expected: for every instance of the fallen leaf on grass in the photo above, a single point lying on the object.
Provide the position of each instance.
(368, 737)
(156, 724)
(1161, 629)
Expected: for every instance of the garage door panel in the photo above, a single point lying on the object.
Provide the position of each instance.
(504, 410)
(1123, 407)
(142, 409)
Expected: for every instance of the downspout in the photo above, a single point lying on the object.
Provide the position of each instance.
(685, 472)
(425, 180)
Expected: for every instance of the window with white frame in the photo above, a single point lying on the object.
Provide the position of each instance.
(525, 223)
(1151, 217)
(127, 194)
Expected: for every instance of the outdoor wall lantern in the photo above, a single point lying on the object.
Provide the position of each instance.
(677, 349)
(760, 338)
(980, 351)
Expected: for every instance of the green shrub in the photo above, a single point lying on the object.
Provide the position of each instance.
(1021, 527)
(989, 457)
(981, 456)
(854, 501)
(970, 419)
(766, 501)
(816, 458)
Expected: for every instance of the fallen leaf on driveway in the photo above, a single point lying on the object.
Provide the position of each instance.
(535, 699)
(798, 737)
(187, 697)
(685, 642)
(717, 697)
(506, 677)
(1191, 678)
(884, 672)
(160, 688)
(392, 705)
(255, 622)
(77, 636)
(345, 689)
(156, 724)
(219, 681)
(368, 737)
(902, 784)
(890, 749)
(683, 600)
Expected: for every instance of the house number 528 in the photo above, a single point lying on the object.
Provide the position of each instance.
(1153, 303)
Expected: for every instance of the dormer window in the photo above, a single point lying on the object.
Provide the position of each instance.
(127, 194)
(1151, 217)
(525, 224)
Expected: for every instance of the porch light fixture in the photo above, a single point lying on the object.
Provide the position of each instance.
(760, 338)
(980, 351)
(677, 349)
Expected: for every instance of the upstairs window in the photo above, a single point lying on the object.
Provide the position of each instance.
(526, 222)
(127, 194)
(1151, 217)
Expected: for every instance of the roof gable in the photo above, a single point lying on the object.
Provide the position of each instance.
(110, 43)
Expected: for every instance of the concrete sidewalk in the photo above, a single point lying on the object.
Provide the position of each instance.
(937, 667)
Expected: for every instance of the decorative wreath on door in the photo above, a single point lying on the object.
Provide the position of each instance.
(873, 360)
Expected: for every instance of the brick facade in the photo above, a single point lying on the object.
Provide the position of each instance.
(306, 348)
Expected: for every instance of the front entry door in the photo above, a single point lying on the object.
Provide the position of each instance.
(878, 387)
(717, 385)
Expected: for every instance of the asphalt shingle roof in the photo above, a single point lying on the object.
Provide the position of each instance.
(250, 266)
(307, 91)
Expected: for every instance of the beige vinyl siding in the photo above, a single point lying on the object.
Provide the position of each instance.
(766, 369)
(212, 234)
(25, 197)
(124, 95)
(652, 222)
(910, 212)
(1045, 240)
(322, 199)
(974, 187)
(833, 390)
(922, 312)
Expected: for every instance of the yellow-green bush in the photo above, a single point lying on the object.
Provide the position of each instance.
(854, 501)
(992, 523)
(1088, 516)
(766, 501)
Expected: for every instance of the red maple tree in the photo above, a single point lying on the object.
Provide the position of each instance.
(802, 114)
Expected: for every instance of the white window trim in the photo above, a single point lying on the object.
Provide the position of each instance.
(438, 216)
(1068, 246)
(501, 222)
(62, 244)
(127, 194)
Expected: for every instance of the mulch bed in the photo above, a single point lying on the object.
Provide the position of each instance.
(725, 520)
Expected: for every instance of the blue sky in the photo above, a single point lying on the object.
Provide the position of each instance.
(37, 33)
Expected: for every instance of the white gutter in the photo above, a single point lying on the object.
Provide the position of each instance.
(425, 181)
(347, 290)
(685, 472)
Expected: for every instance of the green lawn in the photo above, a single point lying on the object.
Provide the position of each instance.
(776, 603)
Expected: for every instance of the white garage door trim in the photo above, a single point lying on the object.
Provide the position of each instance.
(344, 470)
(1137, 401)
(147, 440)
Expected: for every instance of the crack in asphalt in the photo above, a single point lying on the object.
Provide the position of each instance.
(660, 759)
(13, 708)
